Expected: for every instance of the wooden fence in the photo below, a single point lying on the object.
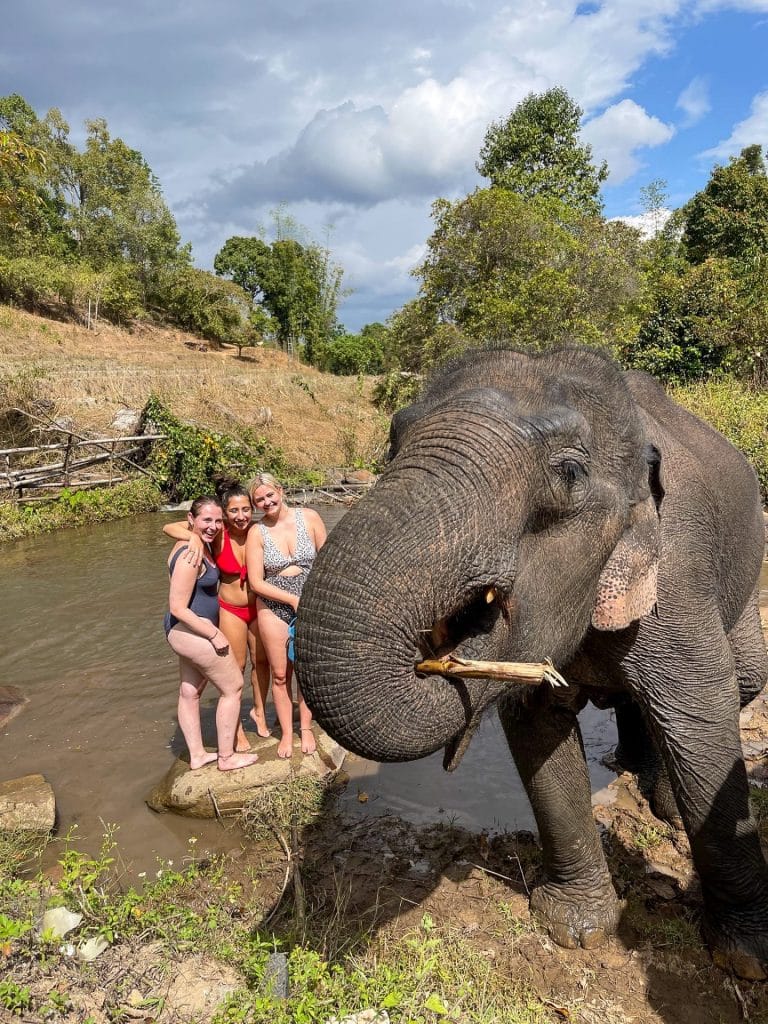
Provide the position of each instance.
(72, 465)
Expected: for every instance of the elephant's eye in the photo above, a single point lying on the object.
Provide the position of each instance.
(571, 471)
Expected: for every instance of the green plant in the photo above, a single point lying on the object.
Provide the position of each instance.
(736, 410)
(14, 998)
(78, 508)
(188, 460)
(649, 836)
(12, 929)
(397, 389)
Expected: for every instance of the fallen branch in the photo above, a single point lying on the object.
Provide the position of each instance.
(524, 672)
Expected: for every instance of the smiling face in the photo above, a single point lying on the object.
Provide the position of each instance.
(207, 522)
(268, 499)
(238, 512)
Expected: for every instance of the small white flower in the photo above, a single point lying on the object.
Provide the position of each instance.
(142, 874)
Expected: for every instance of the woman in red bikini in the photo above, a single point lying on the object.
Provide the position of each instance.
(237, 602)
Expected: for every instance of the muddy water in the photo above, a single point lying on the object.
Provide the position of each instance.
(82, 638)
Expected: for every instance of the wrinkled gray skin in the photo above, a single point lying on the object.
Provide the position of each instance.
(623, 538)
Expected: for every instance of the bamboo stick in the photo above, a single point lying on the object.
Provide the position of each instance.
(523, 672)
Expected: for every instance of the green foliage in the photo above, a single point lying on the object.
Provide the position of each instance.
(298, 285)
(15, 998)
(737, 411)
(78, 508)
(397, 389)
(535, 152)
(525, 272)
(729, 217)
(44, 283)
(203, 304)
(190, 458)
(352, 354)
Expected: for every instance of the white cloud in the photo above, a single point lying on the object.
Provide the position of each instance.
(648, 224)
(621, 130)
(694, 101)
(753, 129)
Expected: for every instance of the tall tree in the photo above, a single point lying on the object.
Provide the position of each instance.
(536, 152)
(531, 272)
(298, 284)
(729, 217)
(119, 213)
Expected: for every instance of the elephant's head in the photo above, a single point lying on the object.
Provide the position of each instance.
(519, 508)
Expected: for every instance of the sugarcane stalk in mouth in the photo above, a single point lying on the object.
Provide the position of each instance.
(523, 672)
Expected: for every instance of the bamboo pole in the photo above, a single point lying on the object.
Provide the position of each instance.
(523, 672)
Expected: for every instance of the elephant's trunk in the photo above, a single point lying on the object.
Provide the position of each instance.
(400, 579)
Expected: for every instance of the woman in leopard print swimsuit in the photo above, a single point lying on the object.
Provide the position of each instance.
(279, 555)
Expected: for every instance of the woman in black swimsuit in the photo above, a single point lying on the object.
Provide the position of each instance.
(279, 554)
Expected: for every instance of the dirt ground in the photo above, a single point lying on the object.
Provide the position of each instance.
(89, 376)
(385, 873)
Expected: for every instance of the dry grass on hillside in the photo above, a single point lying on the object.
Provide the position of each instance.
(317, 419)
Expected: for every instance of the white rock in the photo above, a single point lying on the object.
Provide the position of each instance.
(58, 921)
(92, 948)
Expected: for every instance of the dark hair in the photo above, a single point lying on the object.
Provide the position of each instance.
(229, 487)
(201, 502)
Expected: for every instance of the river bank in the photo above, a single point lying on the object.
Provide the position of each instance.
(425, 919)
(89, 377)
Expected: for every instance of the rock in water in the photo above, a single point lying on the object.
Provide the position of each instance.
(27, 805)
(12, 700)
(208, 793)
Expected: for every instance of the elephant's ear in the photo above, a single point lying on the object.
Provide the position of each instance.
(627, 587)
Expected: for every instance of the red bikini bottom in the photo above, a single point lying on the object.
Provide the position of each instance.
(246, 612)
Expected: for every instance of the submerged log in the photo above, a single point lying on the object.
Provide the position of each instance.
(523, 672)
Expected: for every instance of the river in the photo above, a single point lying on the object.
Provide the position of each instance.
(82, 614)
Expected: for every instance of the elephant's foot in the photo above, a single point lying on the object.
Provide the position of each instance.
(575, 918)
(739, 948)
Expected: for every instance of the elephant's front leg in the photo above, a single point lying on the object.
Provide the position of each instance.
(577, 900)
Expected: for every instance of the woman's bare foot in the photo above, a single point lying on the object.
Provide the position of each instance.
(201, 762)
(285, 747)
(235, 760)
(308, 745)
(242, 746)
(259, 719)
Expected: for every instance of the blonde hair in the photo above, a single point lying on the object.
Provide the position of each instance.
(263, 480)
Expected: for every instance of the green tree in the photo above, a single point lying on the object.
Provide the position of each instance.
(530, 272)
(536, 152)
(298, 284)
(118, 213)
(21, 165)
(729, 217)
(349, 354)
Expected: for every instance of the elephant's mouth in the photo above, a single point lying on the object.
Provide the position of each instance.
(465, 631)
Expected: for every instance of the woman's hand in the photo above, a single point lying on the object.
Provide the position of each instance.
(194, 554)
(220, 643)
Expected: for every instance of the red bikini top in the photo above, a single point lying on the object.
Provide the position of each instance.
(227, 561)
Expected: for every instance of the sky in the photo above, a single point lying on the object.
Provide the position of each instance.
(355, 116)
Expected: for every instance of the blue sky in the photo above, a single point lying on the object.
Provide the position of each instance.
(357, 115)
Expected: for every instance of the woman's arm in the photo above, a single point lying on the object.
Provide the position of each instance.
(181, 531)
(254, 560)
(183, 580)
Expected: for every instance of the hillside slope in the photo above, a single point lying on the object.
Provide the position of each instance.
(89, 376)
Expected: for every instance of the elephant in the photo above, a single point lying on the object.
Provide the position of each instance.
(553, 505)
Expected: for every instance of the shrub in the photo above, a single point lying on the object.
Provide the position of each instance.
(190, 458)
(737, 411)
(77, 508)
(40, 283)
(397, 389)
